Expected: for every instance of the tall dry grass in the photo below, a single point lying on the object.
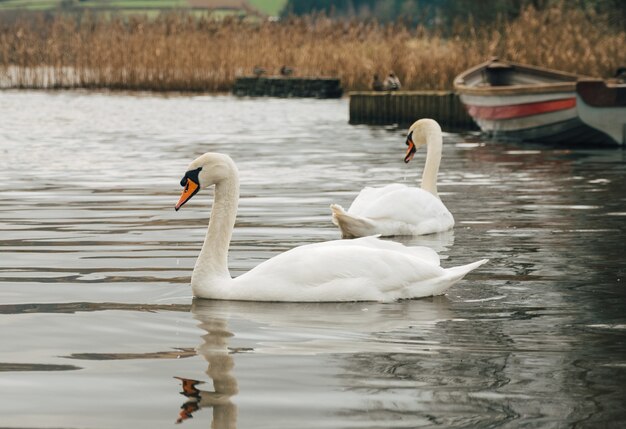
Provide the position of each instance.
(177, 52)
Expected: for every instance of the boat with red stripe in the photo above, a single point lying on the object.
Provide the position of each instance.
(519, 102)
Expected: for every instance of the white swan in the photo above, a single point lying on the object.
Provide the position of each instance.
(397, 209)
(366, 269)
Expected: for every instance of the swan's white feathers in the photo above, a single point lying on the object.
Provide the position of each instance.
(397, 209)
(401, 203)
(351, 226)
(394, 209)
(369, 196)
(365, 269)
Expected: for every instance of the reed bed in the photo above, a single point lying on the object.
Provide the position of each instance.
(176, 52)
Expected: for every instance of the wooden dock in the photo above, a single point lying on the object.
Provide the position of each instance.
(405, 107)
(279, 86)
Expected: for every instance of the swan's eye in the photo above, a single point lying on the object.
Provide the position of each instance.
(409, 138)
(190, 175)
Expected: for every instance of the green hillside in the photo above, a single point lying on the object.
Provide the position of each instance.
(267, 7)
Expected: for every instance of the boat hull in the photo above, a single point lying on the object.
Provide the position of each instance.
(571, 132)
(542, 118)
(526, 104)
(603, 107)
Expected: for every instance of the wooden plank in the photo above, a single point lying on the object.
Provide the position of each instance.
(404, 107)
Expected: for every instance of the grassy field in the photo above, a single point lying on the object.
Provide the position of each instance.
(266, 7)
(50, 5)
(269, 7)
(187, 53)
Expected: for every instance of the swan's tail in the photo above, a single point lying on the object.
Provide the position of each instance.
(337, 211)
(349, 225)
(457, 273)
(440, 285)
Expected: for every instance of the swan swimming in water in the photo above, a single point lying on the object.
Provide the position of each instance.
(397, 209)
(364, 269)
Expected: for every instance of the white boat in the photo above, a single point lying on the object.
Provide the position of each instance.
(602, 105)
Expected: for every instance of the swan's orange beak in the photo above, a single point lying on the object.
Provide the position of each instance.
(411, 150)
(191, 188)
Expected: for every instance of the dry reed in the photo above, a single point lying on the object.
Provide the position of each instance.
(184, 53)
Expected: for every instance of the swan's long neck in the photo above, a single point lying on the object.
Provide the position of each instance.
(212, 263)
(434, 145)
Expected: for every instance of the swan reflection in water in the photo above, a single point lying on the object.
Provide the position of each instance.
(292, 329)
(440, 242)
(215, 351)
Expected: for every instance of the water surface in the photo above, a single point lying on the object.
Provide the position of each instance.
(99, 329)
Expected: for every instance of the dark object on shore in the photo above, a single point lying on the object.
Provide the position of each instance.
(286, 71)
(377, 84)
(602, 105)
(391, 83)
(279, 86)
(518, 102)
(402, 107)
(620, 74)
(258, 71)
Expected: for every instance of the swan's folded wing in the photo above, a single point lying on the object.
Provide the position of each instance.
(375, 242)
(370, 196)
(340, 272)
(409, 205)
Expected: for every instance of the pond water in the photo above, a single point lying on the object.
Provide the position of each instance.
(98, 328)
